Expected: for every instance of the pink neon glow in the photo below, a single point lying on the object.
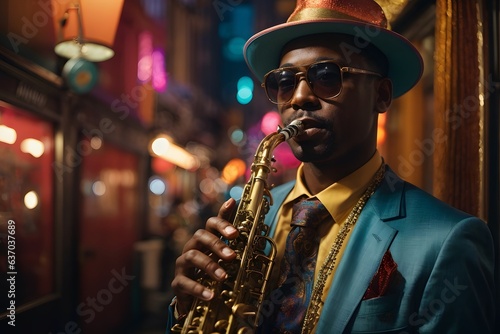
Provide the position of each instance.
(159, 77)
(270, 122)
(144, 65)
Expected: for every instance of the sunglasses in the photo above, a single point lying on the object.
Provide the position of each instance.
(324, 79)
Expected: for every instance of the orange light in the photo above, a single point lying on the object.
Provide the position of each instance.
(86, 28)
(163, 147)
(381, 133)
(233, 170)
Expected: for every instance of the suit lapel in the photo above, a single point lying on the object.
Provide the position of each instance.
(368, 243)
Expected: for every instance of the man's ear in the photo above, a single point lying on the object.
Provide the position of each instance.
(384, 95)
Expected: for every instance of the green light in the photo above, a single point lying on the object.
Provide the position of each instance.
(245, 82)
(244, 95)
(237, 136)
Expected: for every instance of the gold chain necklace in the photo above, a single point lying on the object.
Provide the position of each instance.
(314, 308)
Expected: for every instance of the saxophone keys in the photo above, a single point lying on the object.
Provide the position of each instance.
(221, 325)
(244, 310)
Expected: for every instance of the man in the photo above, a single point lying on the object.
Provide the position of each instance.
(391, 258)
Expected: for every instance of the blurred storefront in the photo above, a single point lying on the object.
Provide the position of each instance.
(74, 167)
(103, 181)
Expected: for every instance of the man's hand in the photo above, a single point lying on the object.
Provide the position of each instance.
(194, 256)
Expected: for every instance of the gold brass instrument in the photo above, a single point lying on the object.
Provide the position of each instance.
(238, 300)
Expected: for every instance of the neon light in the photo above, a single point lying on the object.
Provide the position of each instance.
(144, 65)
(159, 77)
(270, 122)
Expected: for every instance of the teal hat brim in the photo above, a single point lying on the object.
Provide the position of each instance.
(262, 51)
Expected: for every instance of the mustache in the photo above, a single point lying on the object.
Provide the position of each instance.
(311, 120)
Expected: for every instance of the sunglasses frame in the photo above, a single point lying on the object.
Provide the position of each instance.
(342, 70)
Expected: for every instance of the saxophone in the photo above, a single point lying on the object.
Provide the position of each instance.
(238, 300)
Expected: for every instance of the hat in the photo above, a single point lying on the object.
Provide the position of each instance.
(363, 19)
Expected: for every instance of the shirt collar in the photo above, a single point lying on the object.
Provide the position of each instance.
(342, 195)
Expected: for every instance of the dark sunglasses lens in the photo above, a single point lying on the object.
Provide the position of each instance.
(280, 85)
(325, 79)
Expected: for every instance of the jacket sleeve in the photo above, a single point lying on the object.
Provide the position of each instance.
(459, 295)
(170, 318)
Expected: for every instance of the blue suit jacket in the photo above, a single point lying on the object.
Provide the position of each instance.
(445, 262)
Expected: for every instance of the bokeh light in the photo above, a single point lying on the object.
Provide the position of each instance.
(31, 200)
(236, 192)
(157, 186)
(270, 122)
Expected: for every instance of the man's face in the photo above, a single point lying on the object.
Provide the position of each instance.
(341, 129)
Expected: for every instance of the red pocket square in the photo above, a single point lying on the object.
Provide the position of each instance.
(380, 282)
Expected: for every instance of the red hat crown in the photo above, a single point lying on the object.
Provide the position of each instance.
(366, 11)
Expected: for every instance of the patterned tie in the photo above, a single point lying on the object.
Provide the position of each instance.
(297, 268)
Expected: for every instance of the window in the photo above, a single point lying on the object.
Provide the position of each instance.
(26, 205)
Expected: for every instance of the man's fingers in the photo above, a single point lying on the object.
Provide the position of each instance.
(221, 223)
(195, 259)
(186, 289)
(202, 253)
(227, 209)
(203, 240)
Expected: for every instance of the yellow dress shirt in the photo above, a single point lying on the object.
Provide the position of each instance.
(339, 198)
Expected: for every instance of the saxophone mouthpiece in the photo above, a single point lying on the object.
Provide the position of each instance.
(293, 129)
